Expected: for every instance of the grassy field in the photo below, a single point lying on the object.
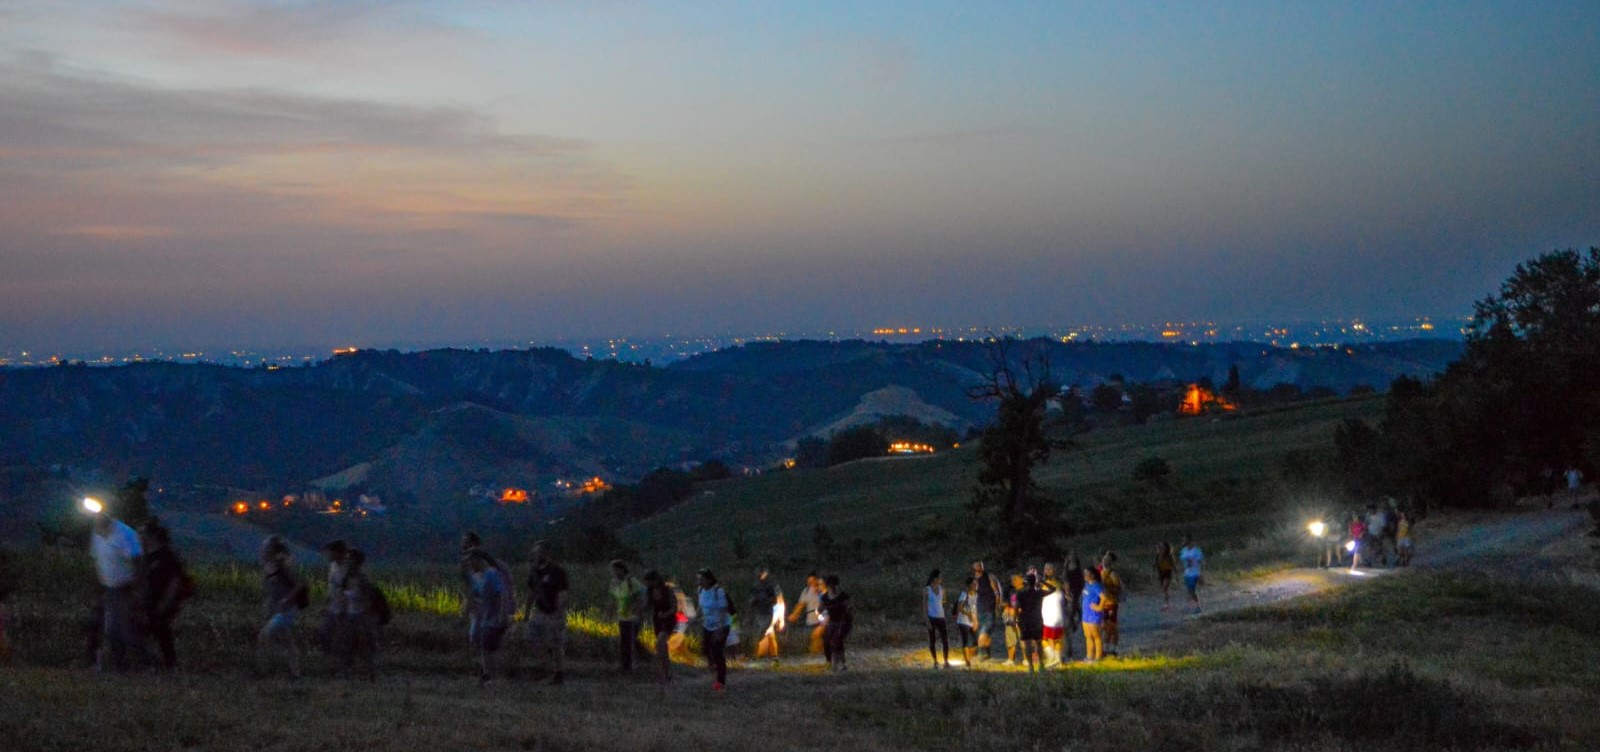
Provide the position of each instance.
(893, 520)
(1425, 660)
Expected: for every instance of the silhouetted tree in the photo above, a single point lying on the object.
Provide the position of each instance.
(856, 443)
(1231, 388)
(1106, 397)
(1015, 517)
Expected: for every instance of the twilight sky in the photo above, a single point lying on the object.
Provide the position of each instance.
(255, 173)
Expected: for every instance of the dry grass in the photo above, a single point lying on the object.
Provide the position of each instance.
(1417, 661)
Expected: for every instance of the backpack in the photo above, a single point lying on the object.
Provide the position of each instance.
(380, 605)
(732, 612)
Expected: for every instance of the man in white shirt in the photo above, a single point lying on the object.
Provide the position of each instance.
(118, 563)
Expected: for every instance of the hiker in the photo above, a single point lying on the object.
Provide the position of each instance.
(167, 586)
(1110, 604)
(332, 633)
(627, 592)
(809, 606)
(766, 614)
(1193, 560)
(1390, 531)
(1574, 482)
(967, 620)
(1054, 616)
(546, 611)
(1166, 564)
(1008, 619)
(1093, 650)
(119, 565)
(1074, 599)
(1373, 540)
(716, 621)
(989, 601)
(933, 600)
(1030, 622)
(358, 624)
(678, 644)
(841, 617)
(662, 605)
(471, 547)
(1404, 548)
(284, 595)
(489, 617)
(1358, 539)
(7, 585)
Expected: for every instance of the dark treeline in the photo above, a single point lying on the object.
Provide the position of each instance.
(1521, 405)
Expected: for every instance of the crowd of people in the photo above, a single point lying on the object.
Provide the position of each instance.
(1026, 619)
(1379, 536)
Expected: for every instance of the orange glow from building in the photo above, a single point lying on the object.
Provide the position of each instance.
(1199, 400)
(240, 507)
(514, 496)
(265, 505)
(595, 485)
(909, 447)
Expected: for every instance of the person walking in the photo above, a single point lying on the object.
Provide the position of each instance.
(1074, 601)
(331, 635)
(1358, 539)
(716, 620)
(967, 620)
(840, 619)
(628, 595)
(1030, 621)
(766, 614)
(1404, 548)
(546, 612)
(990, 597)
(1193, 560)
(1054, 616)
(490, 617)
(933, 607)
(119, 566)
(662, 604)
(1111, 596)
(359, 622)
(1092, 609)
(167, 587)
(284, 596)
(1166, 564)
(678, 644)
(808, 611)
(1008, 618)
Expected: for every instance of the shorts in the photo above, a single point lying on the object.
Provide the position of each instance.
(1053, 633)
(281, 623)
(1031, 632)
(1109, 615)
(1192, 582)
(969, 636)
(1164, 577)
(985, 622)
(1405, 544)
(548, 631)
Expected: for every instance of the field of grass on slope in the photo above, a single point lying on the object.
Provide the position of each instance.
(907, 508)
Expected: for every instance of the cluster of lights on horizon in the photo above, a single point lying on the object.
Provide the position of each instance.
(667, 348)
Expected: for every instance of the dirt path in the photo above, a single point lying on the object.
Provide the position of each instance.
(1495, 542)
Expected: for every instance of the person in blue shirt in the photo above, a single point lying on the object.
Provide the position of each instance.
(716, 619)
(1093, 615)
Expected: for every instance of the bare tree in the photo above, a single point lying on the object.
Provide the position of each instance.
(1014, 514)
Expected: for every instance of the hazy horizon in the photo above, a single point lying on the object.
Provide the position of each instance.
(176, 171)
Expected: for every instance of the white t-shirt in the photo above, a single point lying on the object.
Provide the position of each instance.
(116, 555)
(935, 602)
(1054, 613)
(1192, 559)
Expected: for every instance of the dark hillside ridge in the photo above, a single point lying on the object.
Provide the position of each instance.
(259, 428)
